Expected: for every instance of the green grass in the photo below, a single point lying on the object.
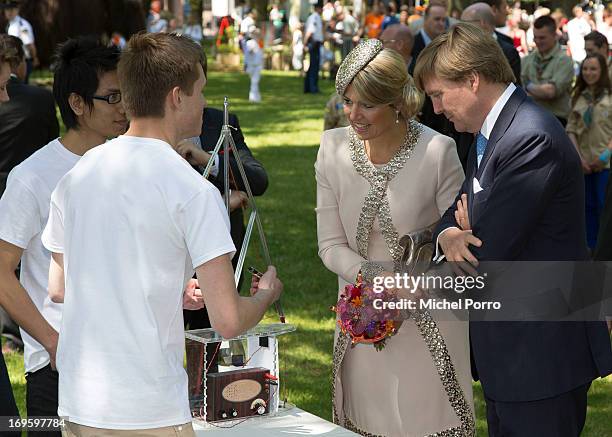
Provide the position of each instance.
(284, 132)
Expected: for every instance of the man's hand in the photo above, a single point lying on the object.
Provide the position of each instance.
(192, 153)
(586, 167)
(51, 349)
(455, 245)
(268, 282)
(596, 166)
(192, 296)
(238, 199)
(461, 214)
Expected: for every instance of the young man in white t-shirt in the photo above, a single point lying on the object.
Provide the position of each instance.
(127, 227)
(86, 90)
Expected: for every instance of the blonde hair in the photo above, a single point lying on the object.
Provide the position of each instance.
(463, 50)
(385, 81)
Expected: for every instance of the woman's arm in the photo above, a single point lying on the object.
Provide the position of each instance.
(334, 249)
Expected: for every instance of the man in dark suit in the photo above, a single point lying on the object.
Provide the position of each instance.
(434, 24)
(525, 197)
(500, 12)
(28, 121)
(255, 172)
(482, 16)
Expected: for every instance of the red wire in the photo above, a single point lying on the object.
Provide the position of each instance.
(212, 360)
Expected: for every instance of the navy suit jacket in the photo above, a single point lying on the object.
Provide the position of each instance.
(531, 208)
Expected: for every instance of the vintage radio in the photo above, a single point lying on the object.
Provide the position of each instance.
(237, 393)
(240, 393)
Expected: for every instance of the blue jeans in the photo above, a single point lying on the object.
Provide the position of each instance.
(311, 81)
(595, 195)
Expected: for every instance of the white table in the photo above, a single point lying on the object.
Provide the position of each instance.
(290, 422)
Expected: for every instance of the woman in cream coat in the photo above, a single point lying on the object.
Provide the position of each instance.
(381, 177)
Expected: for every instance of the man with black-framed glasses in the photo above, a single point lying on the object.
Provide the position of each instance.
(111, 99)
(86, 89)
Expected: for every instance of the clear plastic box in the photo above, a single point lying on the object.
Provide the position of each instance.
(233, 385)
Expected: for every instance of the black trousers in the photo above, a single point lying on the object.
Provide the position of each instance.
(8, 407)
(41, 396)
(560, 416)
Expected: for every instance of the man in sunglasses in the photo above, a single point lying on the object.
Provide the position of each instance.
(86, 89)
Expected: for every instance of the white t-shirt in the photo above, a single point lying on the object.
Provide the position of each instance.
(24, 209)
(133, 221)
(22, 29)
(247, 25)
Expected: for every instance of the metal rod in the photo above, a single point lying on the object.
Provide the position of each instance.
(247, 186)
(226, 153)
(245, 247)
(227, 141)
(214, 153)
(262, 236)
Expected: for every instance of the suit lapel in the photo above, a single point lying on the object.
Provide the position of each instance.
(501, 126)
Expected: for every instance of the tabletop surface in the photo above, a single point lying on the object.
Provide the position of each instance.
(292, 422)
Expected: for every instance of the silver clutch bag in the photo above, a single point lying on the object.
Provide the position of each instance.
(418, 250)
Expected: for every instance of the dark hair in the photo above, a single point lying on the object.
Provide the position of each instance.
(598, 38)
(6, 52)
(545, 21)
(152, 65)
(602, 85)
(492, 3)
(77, 66)
(15, 53)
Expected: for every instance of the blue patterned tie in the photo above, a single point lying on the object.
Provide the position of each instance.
(481, 146)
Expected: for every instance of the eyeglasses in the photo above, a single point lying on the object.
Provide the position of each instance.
(111, 99)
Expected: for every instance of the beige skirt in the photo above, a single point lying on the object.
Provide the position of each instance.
(418, 385)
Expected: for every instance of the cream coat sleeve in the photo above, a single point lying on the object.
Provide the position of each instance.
(334, 249)
(450, 175)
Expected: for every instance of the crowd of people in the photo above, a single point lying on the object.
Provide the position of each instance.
(576, 88)
(517, 193)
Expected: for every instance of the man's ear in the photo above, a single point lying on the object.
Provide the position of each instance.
(77, 104)
(176, 96)
(474, 82)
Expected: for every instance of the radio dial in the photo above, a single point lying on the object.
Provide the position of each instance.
(233, 412)
(259, 406)
(223, 414)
